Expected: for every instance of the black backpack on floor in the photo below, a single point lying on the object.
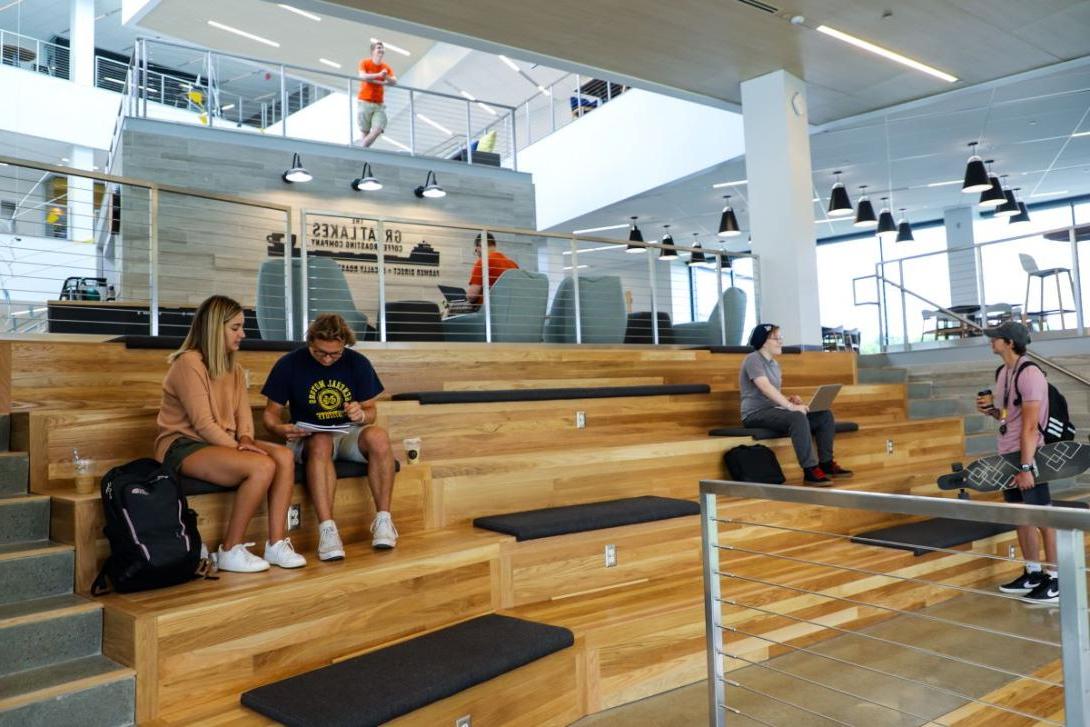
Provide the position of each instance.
(152, 532)
(754, 463)
(1058, 428)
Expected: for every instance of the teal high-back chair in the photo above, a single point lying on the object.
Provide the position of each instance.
(709, 333)
(517, 301)
(327, 292)
(602, 314)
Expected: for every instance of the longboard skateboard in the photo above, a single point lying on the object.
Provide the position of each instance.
(1054, 462)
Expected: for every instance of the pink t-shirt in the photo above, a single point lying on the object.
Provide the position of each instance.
(1033, 386)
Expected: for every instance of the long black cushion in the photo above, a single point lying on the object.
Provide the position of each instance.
(920, 537)
(387, 683)
(762, 433)
(344, 468)
(172, 343)
(590, 392)
(544, 523)
(744, 349)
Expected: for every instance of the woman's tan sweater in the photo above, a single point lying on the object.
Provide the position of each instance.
(196, 406)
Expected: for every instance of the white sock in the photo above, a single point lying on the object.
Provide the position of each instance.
(1033, 567)
(329, 523)
(1051, 573)
(382, 512)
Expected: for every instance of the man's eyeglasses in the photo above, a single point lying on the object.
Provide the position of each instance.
(326, 355)
(776, 338)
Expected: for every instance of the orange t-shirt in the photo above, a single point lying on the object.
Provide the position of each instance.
(498, 264)
(369, 91)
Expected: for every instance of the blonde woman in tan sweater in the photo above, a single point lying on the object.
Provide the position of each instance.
(206, 431)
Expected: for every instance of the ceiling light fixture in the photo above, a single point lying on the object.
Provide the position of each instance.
(1050, 194)
(887, 227)
(945, 184)
(366, 182)
(327, 62)
(886, 53)
(434, 124)
(390, 46)
(864, 215)
(509, 63)
(736, 183)
(634, 235)
(728, 222)
(1077, 134)
(544, 91)
(243, 33)
(698, 258)
(296, 174)
(904, 229)
(598, 229)
(304, 13)
(976, 176)
(430, 188)
(1022, 216)
(839, 204)
(668, 252)
(471, 97)
(10, 5)
(228, 107)
(1009, 208)
(992, 196)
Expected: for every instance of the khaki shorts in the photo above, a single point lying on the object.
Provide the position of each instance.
(178, 450)
(345, 446)
(371, 116)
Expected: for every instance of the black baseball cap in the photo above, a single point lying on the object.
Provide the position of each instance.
(1011, 330)
(760, 334)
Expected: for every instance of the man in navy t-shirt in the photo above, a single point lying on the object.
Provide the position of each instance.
(328, 384)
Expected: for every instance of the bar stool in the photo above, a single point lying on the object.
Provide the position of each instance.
(1032, 271)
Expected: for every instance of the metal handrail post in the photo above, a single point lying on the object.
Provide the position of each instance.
(514, 142)
(412, 123)
(153, 260)
(380, 251)
(904, 304)
(486, 289)
(719, 302)
(575, 290)
(304, 273)
(654, 297)
(1074, 628)
(141, 84)
(713, 634)
(283, 103)
(1077, 280)
(469, 134)
(208, 86)
(289, 299)
(981, 296)
(351, 116)
(552, 109)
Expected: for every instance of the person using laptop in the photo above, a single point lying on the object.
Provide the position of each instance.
(498, 264)
(328, 386)
(765, 406)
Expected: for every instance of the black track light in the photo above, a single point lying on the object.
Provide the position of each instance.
(698, 258)
(864, 215)
(976, 175)
(887, 227)
(992, 196)
(1022, 216)
(1009, 208)
(634, 235)
(366, 182)
(668, 251)
(430, 188)
(296, 174)
(728, 223)
(904, 229)
(839, 204)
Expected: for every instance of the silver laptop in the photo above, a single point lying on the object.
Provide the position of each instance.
(823, 397)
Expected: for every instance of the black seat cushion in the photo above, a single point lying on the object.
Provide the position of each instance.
(413, 320)
(744, 349)
(173, 343)
(926, 535)
(387, 683)
(550, 521)
(639, 328)
(590, 392)
(344, 469)
(762, 433)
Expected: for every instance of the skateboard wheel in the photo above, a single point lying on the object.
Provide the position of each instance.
(957, 467)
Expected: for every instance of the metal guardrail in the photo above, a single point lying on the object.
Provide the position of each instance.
(31, 54)
(1070, 524)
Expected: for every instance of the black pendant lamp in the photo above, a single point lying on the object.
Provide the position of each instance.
(698, 258)
(728, 223)
(887, 227)
(992, 196)
(366, 182)
(1009, 208)
(976, 175)
(296, 174)
(839, 204)
(668, 252)
(904, 229)
(864, 214)
(430, 188)
(1023, 213)
(634, 235)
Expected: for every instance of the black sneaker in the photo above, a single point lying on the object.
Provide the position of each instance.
(1047, 593)
(1024, 583)
(816, 477)
(832, 469)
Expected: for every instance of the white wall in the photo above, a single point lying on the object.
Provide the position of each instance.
(34, 268)
(636, 142)
(53, 108)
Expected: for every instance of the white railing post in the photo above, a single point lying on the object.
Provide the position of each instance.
(719, 288)
(412, 123)
(1080, 321)
(1074, 629)
(283, 103)
(654, 296)
(486, 289)
(381, 258)
(575, 290)
(153, 260)
(904, 304)
(469, 134)
(289, 297)
(981, 298)
(713, 633)
(304, 273)
(351, 116)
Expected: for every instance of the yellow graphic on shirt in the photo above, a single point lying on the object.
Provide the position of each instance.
(328, 397)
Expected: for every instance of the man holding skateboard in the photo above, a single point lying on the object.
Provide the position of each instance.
(1020, 403)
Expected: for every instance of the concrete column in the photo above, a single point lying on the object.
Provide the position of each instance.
(962, 272)
(81, 40)
(781, 213)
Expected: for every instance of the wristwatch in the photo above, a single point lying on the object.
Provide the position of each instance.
(1032, 467)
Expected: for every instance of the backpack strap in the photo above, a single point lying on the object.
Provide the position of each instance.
(1018, 372)
(101, 586)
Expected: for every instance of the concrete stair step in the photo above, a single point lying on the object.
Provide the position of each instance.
(88, 691)
(47, 631)
(24, 519)
(920, 389)
(933, 408)
(882, 376)
(14, 472)
(35, 570)
(5, 432)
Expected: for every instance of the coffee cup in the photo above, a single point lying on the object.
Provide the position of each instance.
(85, 478)
(412, 449)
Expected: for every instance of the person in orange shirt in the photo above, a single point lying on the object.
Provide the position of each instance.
(375, 76)
(498, 264)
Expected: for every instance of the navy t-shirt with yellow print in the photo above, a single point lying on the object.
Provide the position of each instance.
(317, 394)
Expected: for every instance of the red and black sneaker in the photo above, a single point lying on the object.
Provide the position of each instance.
(832, 469)
(816, 476)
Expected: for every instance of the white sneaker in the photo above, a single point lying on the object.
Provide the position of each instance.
(383, 532)
(240, 560)
(330, 546)
(281, 553)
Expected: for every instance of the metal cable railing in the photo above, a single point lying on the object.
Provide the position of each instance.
(857, 598)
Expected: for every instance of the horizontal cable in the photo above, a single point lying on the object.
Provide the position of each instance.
(865, 571)
(926, 685)
(890, 609)
(750, 717)
(766, 695)
(890, 642)
(822, 685)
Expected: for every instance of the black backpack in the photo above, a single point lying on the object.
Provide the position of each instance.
(1058, 428)
(152, 532)
(753, 463)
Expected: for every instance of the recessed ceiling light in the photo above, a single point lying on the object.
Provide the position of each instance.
(391, 46)
(1077, 134)
(597, 229)
(304, 13)
(544, 90)
(944, 184)
(243, 33)
(471, 97)
(10, 5)
(1050, 194)
(327, 62)
(228, 107)
(735, 183)
(886, 53)
(578, 267)
(510, 64)
(434, 124)
(395, 142)
(64, 159)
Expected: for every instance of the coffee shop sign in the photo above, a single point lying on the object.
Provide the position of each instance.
(354, 245)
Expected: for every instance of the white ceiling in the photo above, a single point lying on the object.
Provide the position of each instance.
(1025, 125)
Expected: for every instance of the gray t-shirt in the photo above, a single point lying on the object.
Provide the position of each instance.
(755, 366)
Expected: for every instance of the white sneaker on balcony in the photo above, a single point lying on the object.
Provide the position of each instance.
(240, 560)
(383, 532)
(330, 546)
(282, 553)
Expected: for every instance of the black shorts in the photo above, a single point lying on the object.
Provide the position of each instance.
(1039, 495)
